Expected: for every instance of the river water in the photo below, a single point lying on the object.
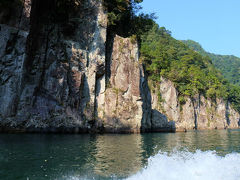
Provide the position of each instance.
(200, 155)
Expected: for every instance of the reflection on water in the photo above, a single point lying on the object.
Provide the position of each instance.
(118, 155)
(99, 156)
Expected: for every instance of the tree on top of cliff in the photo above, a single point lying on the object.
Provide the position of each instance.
(121, 10)
(123, 18)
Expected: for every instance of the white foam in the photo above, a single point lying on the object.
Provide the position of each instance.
(191, 166)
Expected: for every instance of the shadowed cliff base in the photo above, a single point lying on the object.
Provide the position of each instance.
(75, 130)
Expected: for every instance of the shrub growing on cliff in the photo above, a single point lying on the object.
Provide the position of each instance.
(234, 96)
(121, 10)
(122, 18)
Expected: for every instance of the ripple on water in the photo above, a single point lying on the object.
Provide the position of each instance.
(209, 155)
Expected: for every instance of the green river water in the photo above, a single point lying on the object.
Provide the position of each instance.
(190, 155)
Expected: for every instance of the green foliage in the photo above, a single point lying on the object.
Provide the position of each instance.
(234, 96)
(182, 100)
(120, 10)
(122, 18)
(191, 72)
(228, 65)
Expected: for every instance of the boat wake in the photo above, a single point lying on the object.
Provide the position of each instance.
(190, 166)
(184, 165)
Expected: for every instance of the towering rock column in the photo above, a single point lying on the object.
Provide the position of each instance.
(14, 29)
(49, 70)
(120, 106)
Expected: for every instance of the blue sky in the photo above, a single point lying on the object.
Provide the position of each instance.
(215, 24)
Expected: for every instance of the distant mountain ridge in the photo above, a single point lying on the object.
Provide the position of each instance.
(229, 65)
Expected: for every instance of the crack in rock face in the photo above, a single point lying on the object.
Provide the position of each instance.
(63, 72)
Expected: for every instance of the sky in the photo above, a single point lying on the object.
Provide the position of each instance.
(215, 24)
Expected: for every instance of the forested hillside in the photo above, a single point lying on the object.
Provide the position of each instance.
(191, 72)
(228, 65)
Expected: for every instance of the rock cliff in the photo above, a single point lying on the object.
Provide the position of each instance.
(196, 113)
(60, 71)
(50, 68)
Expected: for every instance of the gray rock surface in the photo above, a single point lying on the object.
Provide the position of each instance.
(49, 75)
(121, 108)
(197, 113)
(55, 76)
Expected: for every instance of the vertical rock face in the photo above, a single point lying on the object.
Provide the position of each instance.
(166, 104)
(120, 106)
(60, 72)
(16, 14)
(54, 72)
(14, 30)
(63, 67)
(49, 81)
(197, 113)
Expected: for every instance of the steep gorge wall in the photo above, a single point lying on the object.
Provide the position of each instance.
(55, 76)
(120, 104)
(14, 29)
(197, 113)
(62, 72)
(53, 68)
